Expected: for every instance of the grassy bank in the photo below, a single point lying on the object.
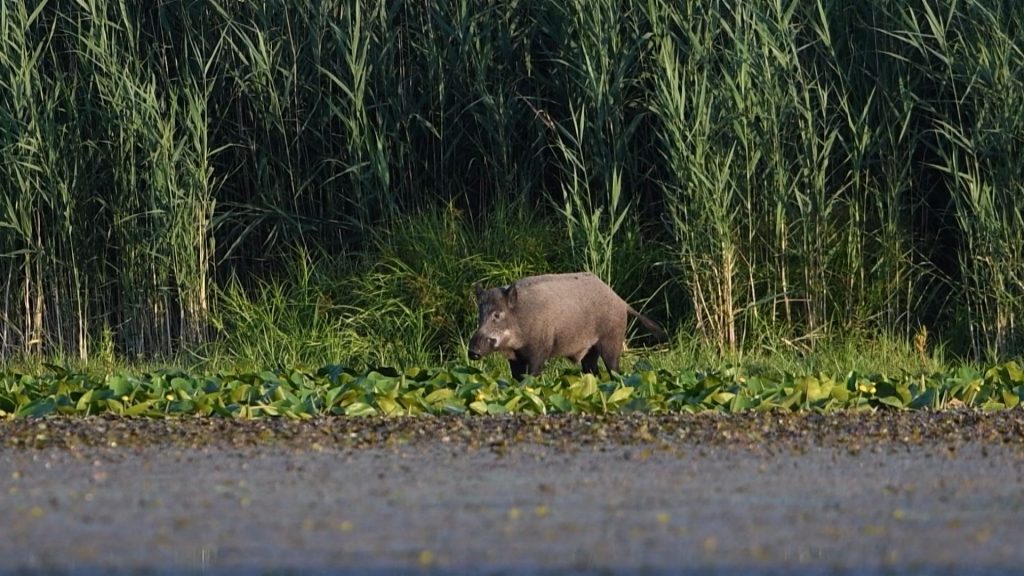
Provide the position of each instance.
(301, 183)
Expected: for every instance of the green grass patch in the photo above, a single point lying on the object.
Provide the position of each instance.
(335, 390)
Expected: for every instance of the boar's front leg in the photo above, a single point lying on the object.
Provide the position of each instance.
(522, 365)
(589, 362)
(536, 365)
(518, 368)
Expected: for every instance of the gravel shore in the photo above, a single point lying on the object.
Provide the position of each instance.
(867, 493)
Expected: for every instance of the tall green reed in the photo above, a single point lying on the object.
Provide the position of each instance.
(27, 113)
(971, 54)
(111, 193)
(596, 58)
(784, 187)
(806, 168)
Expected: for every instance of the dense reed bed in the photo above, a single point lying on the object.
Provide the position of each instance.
(303, 181)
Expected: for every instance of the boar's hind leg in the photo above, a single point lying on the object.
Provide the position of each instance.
(609, 349)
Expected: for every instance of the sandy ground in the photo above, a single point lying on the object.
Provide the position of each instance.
(850, 494)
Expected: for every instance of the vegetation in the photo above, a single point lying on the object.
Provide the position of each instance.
(298, 183)
(336, 390)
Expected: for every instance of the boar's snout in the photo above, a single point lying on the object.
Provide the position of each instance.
(480, 346)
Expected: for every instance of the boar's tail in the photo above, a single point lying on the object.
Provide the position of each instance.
(651, 326)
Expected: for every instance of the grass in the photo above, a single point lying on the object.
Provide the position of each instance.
(868, 354)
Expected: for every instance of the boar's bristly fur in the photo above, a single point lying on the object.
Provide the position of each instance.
(574, 315)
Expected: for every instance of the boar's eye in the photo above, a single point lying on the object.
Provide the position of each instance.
(496, 315)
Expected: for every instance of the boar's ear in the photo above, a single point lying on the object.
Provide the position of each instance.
(511, 295)
(478, 289)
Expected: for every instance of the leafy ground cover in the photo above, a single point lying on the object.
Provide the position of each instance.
(338, 390)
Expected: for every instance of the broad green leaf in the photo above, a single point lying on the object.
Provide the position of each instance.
(388, 406)
(620, 395)
(439, 395)
(332, 395)
(840, 393)
(894, 401)
(119, 385)
(1010, 399)
(791, 400)
(823, 390)
(740, 403)
(494, 408)
(453, 408)
(722, 397)
(993, 405)
(83, 401)
(38, 408)
(360, 409)
(560, 403)
(513, 403)
(583, 387)
(141, 408)
(927, 399)
(332, 372)
(535, 400)
(1014, 372)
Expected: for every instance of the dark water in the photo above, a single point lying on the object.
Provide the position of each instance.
(435, 508)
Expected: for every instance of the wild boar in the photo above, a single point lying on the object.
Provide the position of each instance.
(575, 316)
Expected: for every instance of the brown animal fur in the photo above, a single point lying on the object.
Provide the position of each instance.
(575, 316)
